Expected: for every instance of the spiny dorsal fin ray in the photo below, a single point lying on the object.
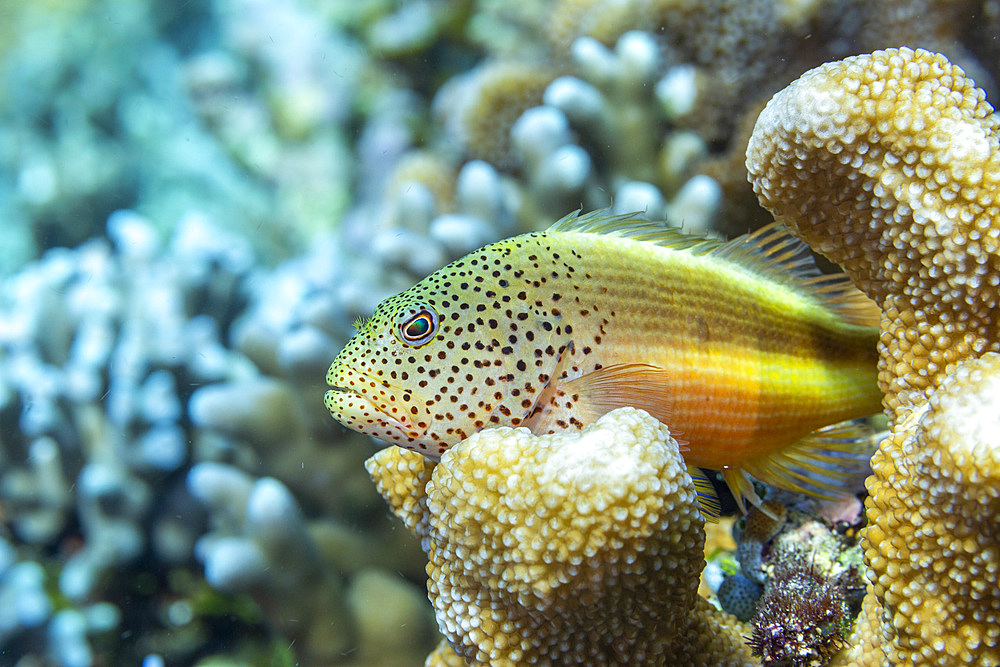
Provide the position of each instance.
(770, 251)
(627, 225)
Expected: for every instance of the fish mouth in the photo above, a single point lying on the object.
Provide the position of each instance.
(332, 395)
(371, 406)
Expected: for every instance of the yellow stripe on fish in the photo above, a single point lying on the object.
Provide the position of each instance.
(744, 349)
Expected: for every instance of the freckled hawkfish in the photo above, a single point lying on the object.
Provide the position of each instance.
(757, 362)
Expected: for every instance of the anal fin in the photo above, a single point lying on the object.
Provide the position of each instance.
(830, 463)
(741, 486)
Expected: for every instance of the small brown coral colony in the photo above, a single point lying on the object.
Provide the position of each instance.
(570, 548)
(889, 164)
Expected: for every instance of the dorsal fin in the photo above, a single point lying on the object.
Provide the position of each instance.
(773, 251)
(628, 225)
(770, 251)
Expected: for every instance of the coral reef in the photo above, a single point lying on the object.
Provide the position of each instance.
(652, 93)
(87, 131)
(262, 546)
(760, 525)
(934, 500)
(571, 547)
(889, 163)
(799, 582)
(481, 106)
(199, 198)
(136, 443)
(738, 595)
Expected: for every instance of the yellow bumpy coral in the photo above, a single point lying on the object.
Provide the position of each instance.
(578, 547)
(889, 164)
(933, 541)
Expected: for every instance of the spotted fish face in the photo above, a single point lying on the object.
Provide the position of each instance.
(371, 377)
(463, 349)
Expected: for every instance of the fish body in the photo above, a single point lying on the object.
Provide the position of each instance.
(742, 348)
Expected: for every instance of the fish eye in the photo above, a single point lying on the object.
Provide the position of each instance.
(419, 328)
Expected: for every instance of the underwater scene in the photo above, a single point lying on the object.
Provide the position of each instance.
(376, 333)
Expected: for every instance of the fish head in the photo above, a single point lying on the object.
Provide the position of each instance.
(373, 378)
(444, 359)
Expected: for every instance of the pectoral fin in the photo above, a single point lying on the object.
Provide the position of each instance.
(583, 400)
(637, 385)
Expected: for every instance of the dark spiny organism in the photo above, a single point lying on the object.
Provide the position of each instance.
(801, 618)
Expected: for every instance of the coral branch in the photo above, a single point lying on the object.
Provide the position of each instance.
(572, 547)
(888, 163)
